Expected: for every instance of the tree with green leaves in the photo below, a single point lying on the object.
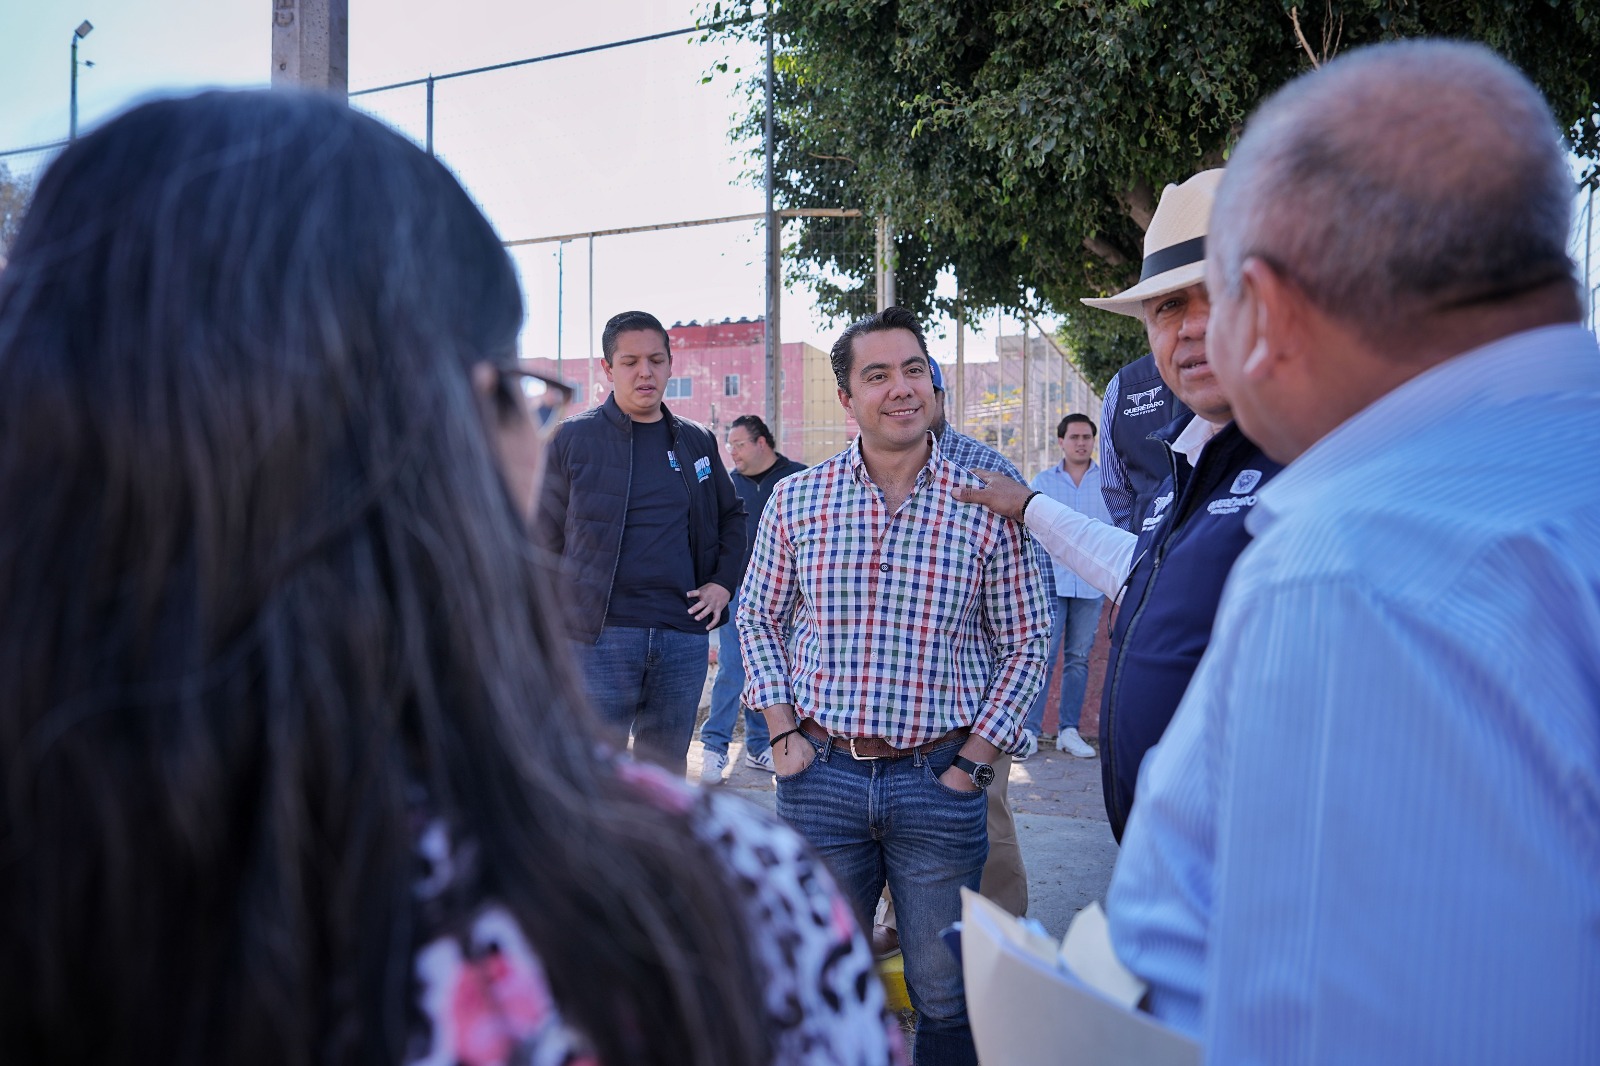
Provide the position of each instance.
(1023, 144)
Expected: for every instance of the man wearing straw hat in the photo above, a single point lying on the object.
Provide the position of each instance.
(1170, 572)
(1372, 833)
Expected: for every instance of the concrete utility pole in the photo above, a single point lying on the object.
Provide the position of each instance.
(311, 45)
(960, 394)
(1027, 407)
(885, 252)
(774, 328)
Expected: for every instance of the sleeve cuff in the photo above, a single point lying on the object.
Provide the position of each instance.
(763, 694)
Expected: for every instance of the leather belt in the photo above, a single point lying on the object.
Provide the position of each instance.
(874, 747)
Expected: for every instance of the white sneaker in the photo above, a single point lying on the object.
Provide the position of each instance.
(1070, 742)
(759, 760)
(711, 767)
(1031, 749)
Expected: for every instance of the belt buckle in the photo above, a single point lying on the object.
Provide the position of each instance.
(861, 758)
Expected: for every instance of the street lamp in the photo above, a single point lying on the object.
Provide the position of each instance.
(84, 29)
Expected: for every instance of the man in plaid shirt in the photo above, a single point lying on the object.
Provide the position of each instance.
(919, 631)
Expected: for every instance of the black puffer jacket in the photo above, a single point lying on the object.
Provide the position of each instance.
(584, 504)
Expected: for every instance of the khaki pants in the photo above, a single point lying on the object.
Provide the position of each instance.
(1005, 878)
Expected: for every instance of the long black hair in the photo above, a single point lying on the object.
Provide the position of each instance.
(260, 580)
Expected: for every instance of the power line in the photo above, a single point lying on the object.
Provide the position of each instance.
(559, 55)
(792, 212)
(708, 27)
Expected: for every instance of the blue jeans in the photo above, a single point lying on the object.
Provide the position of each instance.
(648, 681)
(1072, 625)
(892, 820)
(725, 691)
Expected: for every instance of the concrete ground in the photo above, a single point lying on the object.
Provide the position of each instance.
(1061, 824)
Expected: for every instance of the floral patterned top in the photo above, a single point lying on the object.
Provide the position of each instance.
(483, 998)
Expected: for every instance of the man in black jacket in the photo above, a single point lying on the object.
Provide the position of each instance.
(651, 536)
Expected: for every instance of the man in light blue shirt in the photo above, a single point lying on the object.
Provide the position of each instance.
(1372, 831)
(1075, 481)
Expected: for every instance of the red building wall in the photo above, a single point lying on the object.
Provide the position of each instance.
(708, 356)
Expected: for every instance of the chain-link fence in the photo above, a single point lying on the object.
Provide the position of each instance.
(508, 132)
(613, 199)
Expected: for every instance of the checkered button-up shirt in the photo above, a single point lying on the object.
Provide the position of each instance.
(906, 624)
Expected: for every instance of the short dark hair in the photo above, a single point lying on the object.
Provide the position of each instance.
(756, 428)
(627, 322)
(1061, 427)
(842, 356)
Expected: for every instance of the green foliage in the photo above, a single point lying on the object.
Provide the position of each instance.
(1023, 143)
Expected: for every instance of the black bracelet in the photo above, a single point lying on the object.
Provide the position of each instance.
(773, 743)
(1022, 515)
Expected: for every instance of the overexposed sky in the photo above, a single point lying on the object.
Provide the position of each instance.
(625, 137)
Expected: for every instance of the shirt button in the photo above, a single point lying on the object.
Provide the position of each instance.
(884, 567)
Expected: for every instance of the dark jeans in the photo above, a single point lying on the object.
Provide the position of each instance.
(648, 681)
(891, 820)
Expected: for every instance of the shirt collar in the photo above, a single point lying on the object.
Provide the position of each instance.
(1524, 365)
(1194, 438)
(858, 464)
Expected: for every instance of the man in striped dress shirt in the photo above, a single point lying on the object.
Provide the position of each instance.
(1372, 831)
(920, 626)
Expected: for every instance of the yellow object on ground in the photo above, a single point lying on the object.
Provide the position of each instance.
(892, 971)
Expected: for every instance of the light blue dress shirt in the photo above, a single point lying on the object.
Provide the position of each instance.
(1086, 499)
(969, 454)
(1372, 832)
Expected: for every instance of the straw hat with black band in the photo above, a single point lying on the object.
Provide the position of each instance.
(1174, 245)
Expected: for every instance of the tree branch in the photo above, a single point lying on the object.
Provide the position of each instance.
(1105, 250)
(1331, 47)
(1294, 17)
(1140, 203)
(1332, 34)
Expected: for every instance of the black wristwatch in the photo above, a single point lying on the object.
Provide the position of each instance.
(982, 773)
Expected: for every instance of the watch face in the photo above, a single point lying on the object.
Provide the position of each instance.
(983, 775)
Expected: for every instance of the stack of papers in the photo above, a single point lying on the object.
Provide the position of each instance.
(1035, 1003)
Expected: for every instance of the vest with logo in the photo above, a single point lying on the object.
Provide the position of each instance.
(1192, 534)
(1145, 404)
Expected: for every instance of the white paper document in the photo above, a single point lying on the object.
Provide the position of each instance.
(1029, 1009)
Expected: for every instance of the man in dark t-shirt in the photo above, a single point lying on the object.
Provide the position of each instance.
(651, 536)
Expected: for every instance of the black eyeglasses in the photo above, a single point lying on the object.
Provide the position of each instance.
(548, 398)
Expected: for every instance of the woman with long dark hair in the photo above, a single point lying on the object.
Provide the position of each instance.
(292, 767)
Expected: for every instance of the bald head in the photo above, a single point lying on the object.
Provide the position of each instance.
(1399, 185)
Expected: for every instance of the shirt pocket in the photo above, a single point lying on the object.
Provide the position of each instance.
(942, 586)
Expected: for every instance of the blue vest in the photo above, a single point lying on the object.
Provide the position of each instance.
(1144, 405)
(1193, 532)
